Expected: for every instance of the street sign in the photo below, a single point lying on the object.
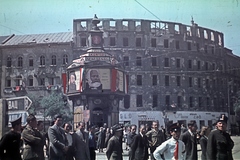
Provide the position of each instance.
(19, 103)
(12, 115)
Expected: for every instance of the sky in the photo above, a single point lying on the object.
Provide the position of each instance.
(51, 16)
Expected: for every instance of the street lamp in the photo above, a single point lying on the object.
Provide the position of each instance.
(229, 85)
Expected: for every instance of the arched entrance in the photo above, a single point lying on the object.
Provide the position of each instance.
(97, 117)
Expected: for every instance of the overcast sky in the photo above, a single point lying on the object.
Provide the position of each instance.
(51, 16)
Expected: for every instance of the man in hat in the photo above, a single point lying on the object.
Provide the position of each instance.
(11, 141)
(172, 148)
(33, 140)
(220, 144)
(114, 149)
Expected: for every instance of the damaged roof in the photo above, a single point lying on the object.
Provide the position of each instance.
(62, 37)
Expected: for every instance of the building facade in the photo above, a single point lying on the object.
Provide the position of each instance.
(171, 67)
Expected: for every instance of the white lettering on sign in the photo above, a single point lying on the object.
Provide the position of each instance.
(97, 58)
(97, 54)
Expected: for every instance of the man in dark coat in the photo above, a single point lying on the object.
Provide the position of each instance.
(58, 141)
(220, 144)
(130, 137)
(33, 140)
(139, 146)
(155, 137)
(11, 141)
(114, 149)
(190, 140)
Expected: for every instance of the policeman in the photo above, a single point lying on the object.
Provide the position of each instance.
(220, 144)
(11, 141)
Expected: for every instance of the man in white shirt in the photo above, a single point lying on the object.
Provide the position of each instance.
(173, 148)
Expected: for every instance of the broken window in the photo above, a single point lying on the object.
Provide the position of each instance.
(125, 25)
(177, 31)
(138, 26)
(189, 31)
(212, 36)
(83, 25)
(205, 34)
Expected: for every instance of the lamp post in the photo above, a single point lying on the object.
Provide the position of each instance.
(229, 85)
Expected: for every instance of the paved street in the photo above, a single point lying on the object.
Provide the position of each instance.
(236, 151)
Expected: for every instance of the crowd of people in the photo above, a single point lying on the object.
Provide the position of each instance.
(63, 143)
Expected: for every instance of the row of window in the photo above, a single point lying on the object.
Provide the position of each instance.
(199, 102)
(19, 81)
(42, 61)
(199, 81)
(208, 66)
(162, 27)
(139, 43)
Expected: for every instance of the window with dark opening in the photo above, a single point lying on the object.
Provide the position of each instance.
(139, 100)
(138, 42)
(165, 43)
(83, 42)
(153, 42)
(166, 80)
(139, 61)
(112, 41)
(125, 41)
(155, 101)
(154, 80)
(126, 60)
(154, 61)
(139, 80)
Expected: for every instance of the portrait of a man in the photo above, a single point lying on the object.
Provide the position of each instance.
(72, 82)
(93, 80)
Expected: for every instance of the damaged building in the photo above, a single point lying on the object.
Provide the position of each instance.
(174, 71)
